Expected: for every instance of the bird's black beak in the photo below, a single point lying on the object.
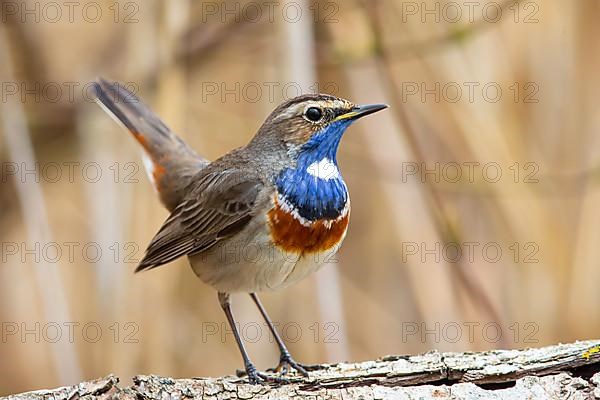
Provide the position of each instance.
(361, 111)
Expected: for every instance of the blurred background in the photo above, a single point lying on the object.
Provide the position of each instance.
(474, 220)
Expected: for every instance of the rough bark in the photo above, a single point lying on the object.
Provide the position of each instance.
(556, 372)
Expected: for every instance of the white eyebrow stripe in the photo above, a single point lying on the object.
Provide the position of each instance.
(299, 108)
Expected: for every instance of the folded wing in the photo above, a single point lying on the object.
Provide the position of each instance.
(220, 204)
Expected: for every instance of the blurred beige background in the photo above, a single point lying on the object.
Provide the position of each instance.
(477, 89)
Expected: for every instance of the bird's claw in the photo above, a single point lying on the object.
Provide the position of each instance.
(256, 377)
(286, 364)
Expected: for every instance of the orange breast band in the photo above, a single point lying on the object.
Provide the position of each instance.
(291, 234)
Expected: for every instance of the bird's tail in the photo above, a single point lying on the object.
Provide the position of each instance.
(169, 161)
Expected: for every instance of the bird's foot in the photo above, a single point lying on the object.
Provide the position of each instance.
(256, 377)
(286, 364)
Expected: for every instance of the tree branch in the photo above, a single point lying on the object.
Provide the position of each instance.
(561, 371)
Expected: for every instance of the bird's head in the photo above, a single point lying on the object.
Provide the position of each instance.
(310, 128)
(312, 125)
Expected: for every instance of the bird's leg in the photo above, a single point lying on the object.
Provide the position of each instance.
(285, 359)
(254, 376)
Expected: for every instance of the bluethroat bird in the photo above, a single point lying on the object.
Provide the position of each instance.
(281, 196)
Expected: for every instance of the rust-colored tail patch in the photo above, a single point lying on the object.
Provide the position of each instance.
(170, 163)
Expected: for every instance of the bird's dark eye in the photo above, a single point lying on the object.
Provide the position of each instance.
(313, 114)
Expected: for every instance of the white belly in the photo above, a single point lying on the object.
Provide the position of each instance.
(236, 265)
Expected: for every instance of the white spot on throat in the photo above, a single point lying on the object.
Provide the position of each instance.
(324, 169)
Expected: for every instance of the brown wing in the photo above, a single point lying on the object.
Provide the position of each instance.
(220, 205)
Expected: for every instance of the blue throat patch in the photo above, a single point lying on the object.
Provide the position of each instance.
(316, 197)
